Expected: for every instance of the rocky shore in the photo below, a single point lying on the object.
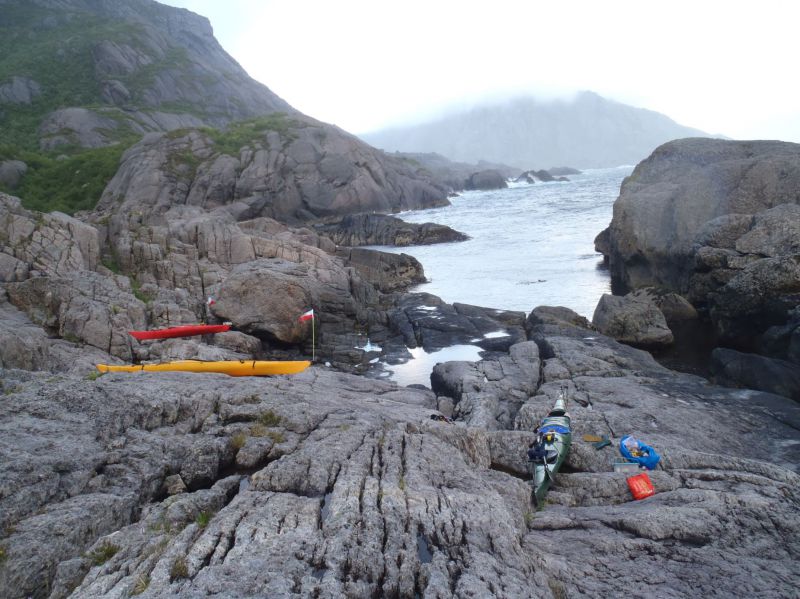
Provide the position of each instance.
(335, 483)
(329, 484)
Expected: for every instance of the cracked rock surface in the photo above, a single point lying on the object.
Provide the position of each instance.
(327, 484)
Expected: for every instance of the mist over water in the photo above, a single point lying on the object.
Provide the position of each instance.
(531, 245)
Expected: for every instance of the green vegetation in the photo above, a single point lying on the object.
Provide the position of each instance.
(276, 436)
(66, 184)
(110, 262)
(142, 582)
(93, 376)
(203, 519)
(136, 289)
(243, 133)
(103, 553)
(179, 569)
(270, 418)
(238, 441)
(557, 588)
(3, 555)
(56, 52)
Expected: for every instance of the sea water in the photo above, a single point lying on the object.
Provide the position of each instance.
(530, 245)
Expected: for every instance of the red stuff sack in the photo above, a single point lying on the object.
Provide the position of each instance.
(641, 486)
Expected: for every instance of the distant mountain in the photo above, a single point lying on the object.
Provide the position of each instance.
(586, 132)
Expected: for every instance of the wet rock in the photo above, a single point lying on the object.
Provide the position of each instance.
(636, 321)
(558, 316)
(730, 367)
(386, 271)
(381, 229)
(488, 179)
(674, 307)
(489, 393)
(425, 321)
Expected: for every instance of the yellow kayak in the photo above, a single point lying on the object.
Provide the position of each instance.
(231, 367)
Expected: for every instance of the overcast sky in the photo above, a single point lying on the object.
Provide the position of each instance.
(723, 67)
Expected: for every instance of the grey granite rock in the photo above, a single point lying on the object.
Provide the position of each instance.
(488, 179)
(752, 371)
(381, 229)
(716, 222)
(283, 173)
(332, 485)
(11, 172)
(633, 320)
(19, 90)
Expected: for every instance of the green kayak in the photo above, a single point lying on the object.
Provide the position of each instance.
(548, 452)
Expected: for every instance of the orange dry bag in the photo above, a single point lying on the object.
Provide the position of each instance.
(641, 486)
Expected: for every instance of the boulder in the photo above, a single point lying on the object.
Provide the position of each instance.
(783, 341)
(265, 297)
(19, 90)
(674, 307)
(557, 315)
(488, 179)
(670, 197)
(11, 172)
(715, 221)
(76, 126)
(634, 321)
(738, 369)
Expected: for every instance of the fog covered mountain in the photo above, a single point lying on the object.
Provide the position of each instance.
(588, 131)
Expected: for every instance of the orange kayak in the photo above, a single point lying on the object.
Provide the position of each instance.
(230, 367)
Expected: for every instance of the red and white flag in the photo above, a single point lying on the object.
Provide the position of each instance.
(210, 301)
(307, 315)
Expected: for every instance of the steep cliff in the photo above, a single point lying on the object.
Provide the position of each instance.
(82, 80)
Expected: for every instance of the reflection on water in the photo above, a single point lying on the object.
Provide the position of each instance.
(418, 369)
(530, 245)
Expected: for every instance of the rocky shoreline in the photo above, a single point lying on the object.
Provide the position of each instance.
(229, 205)
(329, 484)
